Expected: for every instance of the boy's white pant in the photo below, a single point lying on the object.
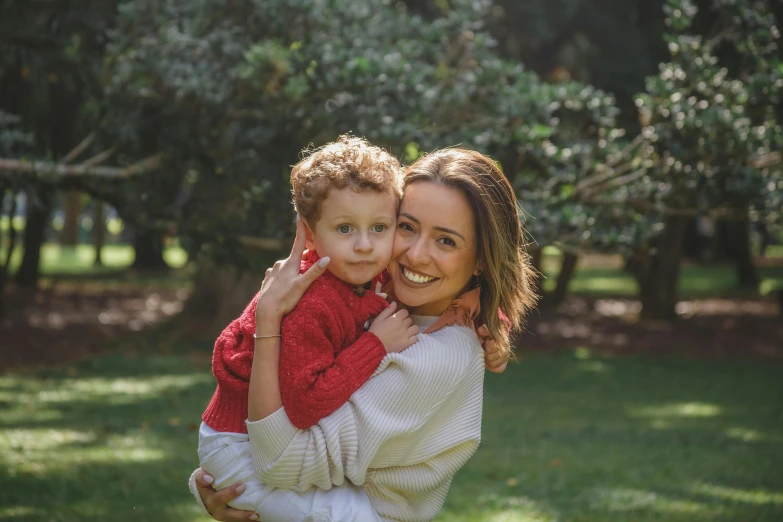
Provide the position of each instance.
(227, 457)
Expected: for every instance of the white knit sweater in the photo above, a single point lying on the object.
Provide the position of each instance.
(403, 435)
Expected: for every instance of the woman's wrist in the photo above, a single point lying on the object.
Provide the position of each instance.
(268, 321)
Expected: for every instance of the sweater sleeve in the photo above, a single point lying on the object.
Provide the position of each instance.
(407, 413)
(316, 376)
(417, 491)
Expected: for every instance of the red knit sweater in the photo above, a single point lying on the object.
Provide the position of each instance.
(325, 355)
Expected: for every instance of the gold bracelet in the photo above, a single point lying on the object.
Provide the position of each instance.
(256, 336)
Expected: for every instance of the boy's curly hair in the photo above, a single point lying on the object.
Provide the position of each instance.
(346, 162)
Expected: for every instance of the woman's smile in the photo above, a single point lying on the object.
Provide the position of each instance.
(418, 278)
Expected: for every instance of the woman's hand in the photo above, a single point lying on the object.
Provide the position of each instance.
(283, 285)
(217, 501)
(493, 359)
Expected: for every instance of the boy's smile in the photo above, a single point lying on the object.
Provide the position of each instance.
(356, 230)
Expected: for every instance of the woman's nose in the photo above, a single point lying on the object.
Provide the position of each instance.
(417, 253)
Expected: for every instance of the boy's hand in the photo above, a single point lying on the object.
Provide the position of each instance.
(395, 330)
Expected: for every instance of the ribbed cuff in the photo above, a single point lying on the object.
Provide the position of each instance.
(365, 355)
(269, 437)
(227, 410)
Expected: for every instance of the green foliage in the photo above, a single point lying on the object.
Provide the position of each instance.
(709, 119)
(710, 128)
(231, 91)
(233, 96)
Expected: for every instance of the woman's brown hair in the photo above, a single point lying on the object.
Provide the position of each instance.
(507, 276)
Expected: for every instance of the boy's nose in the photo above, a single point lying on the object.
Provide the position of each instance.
(363, 244)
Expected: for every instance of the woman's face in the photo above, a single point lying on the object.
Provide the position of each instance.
(434, 253)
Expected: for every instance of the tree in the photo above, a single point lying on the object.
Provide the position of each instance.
(12, 141)
(229, 92)
(712, 130)
(49, 76)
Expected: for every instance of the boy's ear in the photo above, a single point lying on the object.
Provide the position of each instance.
(309, 242)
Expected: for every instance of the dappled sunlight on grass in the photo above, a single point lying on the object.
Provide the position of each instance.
(593, 366)
(622, 285)
(755, 496)
(32, 441)
(566, 438)
(107, 439)
(496, 507)
(119, 391)
(21, 512)
(588, 438)
(749, 435)
(630, 499)
(684, 409)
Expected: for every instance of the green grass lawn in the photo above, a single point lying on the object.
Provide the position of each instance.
(569, 437)
(696, 281)
(57, 260)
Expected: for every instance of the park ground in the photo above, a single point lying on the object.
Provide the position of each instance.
(603, 418)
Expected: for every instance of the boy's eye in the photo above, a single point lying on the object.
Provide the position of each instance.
(344, 229)
(379, 228)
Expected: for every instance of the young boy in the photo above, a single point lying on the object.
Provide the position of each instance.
(348, 194)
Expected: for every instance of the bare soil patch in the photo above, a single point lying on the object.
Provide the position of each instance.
(67, 323)
(715, 327)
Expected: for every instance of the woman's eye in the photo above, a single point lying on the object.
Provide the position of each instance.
(406, 227)
(344, 229)
(379, 228)
(447, 241)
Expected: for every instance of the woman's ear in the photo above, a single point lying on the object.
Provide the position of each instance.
(478, 269)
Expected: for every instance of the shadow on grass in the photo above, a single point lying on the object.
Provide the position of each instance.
(565, 438)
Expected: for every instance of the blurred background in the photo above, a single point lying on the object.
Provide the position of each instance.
(145, 147)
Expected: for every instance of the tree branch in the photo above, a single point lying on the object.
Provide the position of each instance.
(81, 147)
(268, 244)
(48, 167)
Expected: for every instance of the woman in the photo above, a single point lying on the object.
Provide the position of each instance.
(458, 260)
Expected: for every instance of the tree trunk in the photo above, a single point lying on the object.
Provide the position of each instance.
(98, 230)
(39, 208)
(5, 262)
(148, 246)
(741, 254)
(69, 236)
(220, 294)
(567, 270)
(657, 273)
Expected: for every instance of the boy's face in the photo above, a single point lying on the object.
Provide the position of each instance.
(356, 230)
